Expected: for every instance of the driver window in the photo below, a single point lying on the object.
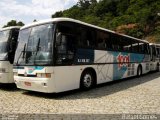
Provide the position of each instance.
(66, 46)
(62, 47)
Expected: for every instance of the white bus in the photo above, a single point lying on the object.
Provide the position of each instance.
(8, 43)
(155, 57)
(62, 54)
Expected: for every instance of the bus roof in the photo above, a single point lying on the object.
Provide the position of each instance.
(76, 21)
(157, 45)
(9, 28)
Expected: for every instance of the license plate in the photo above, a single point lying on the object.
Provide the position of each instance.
(27, 83)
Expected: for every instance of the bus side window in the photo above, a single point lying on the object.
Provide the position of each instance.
(115, 42)
(67, 45)
(87, 37)
(109, 44)
(146, 51)
(135, 46)
(103, 40)
(158, 52)
(126, 45)
(141, 48)
(101, 44)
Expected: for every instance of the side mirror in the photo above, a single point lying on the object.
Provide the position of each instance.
(59, 39)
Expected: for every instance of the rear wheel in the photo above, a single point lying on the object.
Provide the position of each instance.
(87, 80)
(139, 71)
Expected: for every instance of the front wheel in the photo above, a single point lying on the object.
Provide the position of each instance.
(87, 80)
(139, 71)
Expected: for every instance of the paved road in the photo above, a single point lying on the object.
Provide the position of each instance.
(133, 96)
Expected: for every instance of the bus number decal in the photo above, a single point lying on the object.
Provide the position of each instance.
(83, 60)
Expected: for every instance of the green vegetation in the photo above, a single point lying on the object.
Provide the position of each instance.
(14, 23)
(137, 18)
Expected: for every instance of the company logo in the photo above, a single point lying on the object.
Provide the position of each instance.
(123, 60)
(30, 70)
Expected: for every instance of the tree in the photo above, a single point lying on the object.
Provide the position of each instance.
(14, 23)
(20, 23)
(57, 14)
(115, 14)
(34, 20)
(84, 4)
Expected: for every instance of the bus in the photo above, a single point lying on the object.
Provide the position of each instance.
(155, 57)
(8, 43)
(63, 54)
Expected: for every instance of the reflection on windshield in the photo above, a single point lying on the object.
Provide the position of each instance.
(3, 50)
(38, 46)
(4, 35)
(3, 47)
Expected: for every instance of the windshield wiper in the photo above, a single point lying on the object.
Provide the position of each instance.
(22, 52)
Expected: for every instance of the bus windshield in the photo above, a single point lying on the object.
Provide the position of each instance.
(35, 46)
(4, 35)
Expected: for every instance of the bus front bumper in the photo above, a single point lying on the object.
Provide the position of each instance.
(33, 84)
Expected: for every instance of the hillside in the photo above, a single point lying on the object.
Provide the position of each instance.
(137, 18)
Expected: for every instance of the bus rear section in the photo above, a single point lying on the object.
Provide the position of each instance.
(65, 54)
(8, 44)
(155, 57)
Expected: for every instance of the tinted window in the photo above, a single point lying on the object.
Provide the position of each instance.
(126, 44)
(87, 37)
(69, 37)
(103, 40)
(144, 48)
(115, 42)
(135, 46)
(158, 51)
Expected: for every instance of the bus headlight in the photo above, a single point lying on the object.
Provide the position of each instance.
(2, 70)
(44, 75)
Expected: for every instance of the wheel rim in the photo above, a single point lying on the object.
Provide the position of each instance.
(87, 80)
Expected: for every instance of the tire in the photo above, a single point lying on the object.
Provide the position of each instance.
(87, 80)
(139, 71)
